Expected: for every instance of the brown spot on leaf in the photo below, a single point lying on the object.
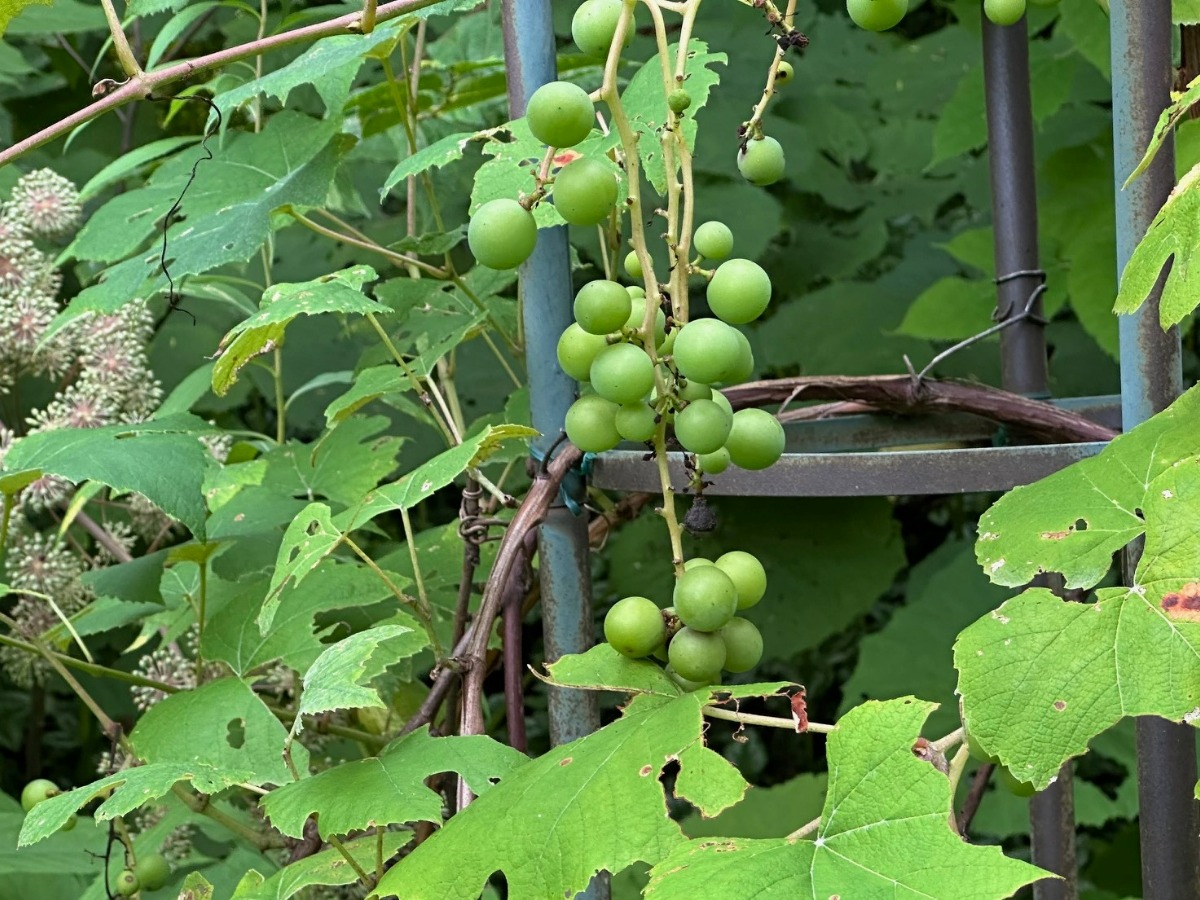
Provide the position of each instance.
(1183, 604)
(646, 770)
(566, 760)
(1055, 535)
(800, 711)
(1060, 705)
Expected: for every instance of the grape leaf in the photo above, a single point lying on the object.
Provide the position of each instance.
(440, 153)
(603, 668)
(339, 292)
(10, 9)
(951, 309)
(223, 725)
(1185, 12)
(389, 789)
(161, 459)
(766, 812)
(1074, 520)
(329, 867)
(340, 677)
(863, 845)
(595, 803)
(1082, 667)
(131, 788)
(374, 383)
(1173, 235)
(309, 538)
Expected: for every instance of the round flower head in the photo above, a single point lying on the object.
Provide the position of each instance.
(46, 202)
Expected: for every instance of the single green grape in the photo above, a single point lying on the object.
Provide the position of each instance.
(594, 26)
(743, 644)
(713, 240)
(70, 824)
(697, 655)
(1015, 785)
(633, 268)
(36, 791)
(585, 191)
(636, 290)
(756, 440)
(152, 871)
(560, 114)
(622, 373)
(695, 561)
(502, 234)
(694, 390)
(978, 753)
(702, 426)
(876, 15)
(747, 575)
(634, 627)
(743, 368)
(720, 399)
(739, 291)
(679, 100)
(704, 598)
(602, 307)
(784, 73)
(707, 350)
(713, 463)
(686, 684)
(1004, 12)
(636, 422)
(761, 161)
(591, 424)
(127, 883)
(637, 316)
(577, 349)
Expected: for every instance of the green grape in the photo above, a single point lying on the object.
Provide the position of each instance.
(36, 791)
(739, 291)
(594, 26)
(747, 575)
(705, 598)
(694, 390)
(633, 267)
(756, 439)
(686, 684)
(152, 871)
(713, 240)
(697, 655)
(1015, 785)
(591, 424)
(694, 562)
(707, 350)
(876, 15)
(713, 463)
(127, 883)
(679, 100)
(622, 373)
(502, 234)
(720, 399)
(702, 426)
(1004, 12)
(784, 73)
(560, 114)
(636, 290)
(585, 191)
(577, 350)
(70, 824)
(634, 627)
(636, 422)
(743, 369)
(743, 645)
(637, 316)
(977, 752)
(761, 162)
(602, 306)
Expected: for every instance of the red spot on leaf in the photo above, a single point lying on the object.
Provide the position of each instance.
(566, 760)
(646, 770)
(1183, 604)
(1060, 705)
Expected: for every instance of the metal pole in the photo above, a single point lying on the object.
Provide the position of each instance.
(545, 289)
(1151, 377)
(1024, 367)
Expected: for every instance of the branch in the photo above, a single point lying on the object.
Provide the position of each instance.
(899, 394)
(141, 87)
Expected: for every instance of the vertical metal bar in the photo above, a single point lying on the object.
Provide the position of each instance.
(1023, 350)
(545, 286)
(1151, 377)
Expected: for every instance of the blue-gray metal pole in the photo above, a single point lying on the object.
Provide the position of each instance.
(546, 310)
(1151, 377)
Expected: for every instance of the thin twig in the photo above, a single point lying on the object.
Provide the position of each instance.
(729, 715)
(974, 797)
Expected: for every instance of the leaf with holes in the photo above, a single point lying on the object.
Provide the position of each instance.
(440, 153)
(390, 789)
(340, 292)
(863, 843)
(1080, 668)
(595, 803)
(222, 725)
(1074, 521)
(327, 868)
(163, 460)
(341, 676)
(1168, 119)
(309, 538)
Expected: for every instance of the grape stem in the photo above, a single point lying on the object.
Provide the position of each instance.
(754, 126)
(729, 715)
(804, 830)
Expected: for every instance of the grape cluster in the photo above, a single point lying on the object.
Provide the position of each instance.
(700, 634)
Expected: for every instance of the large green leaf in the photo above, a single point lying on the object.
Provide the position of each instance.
(223, 725)
(1074, 521)
(390, 789)
(595, 803)
(864, 844)
(339, 292)
(164, 460)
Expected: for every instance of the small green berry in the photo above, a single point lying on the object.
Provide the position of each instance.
(679, 100)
